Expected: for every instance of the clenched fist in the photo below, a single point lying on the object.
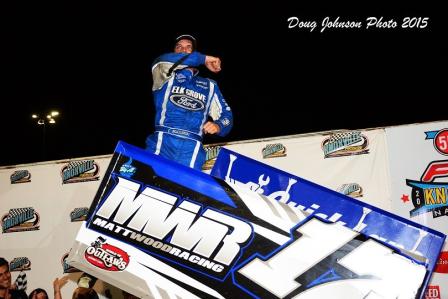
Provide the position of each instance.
(211, 128)
(213, 63)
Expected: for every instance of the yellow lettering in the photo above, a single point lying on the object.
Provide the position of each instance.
(429, 199)
(441, 195)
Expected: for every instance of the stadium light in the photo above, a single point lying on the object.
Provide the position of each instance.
(43, 120)
(49, 118)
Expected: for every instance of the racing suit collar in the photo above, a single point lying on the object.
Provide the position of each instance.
(194, 71)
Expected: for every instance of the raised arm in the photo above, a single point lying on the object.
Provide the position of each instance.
(162, 65)
(58, 283)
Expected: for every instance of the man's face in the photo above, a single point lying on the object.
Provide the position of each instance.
(5, 277)
(183, 46)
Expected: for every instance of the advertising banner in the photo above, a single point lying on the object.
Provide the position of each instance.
(354, 163)
(419, 170)
(157, 229)
(42, 206)
(410, 237)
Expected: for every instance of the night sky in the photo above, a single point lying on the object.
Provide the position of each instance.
(92, 63)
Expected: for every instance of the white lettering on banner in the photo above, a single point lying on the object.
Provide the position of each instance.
(153, 212)
(387, 273)
(278, 274)
(194, 259)
(418, 234)
(230, 241)
(283, 196)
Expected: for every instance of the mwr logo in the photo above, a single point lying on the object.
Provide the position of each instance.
(21, 219)
(66, 268)
(432, 292)
(176, 230)
(440, 140)
(20, 264)
(430, 196)
(80, 171)
(20, 176)
(345, 144)
(211, 152)
(274, 150)
(79, 214)
(353, 190)
(442, 263)
(106, 256)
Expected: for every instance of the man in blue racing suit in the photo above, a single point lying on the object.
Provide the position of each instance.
(187, 106)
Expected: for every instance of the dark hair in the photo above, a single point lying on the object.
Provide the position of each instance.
(3, 262)
(84, 293)
(37, 291)
(188, 37)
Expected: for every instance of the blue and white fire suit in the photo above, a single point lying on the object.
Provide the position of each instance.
(183, 103)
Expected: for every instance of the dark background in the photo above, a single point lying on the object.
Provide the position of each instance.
(92, 63)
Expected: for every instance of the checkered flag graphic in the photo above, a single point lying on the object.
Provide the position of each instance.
(15, 212)
(74, 164)
(342, 189)
(269, 146)
(21, 281)
(79, 210)
(339, 136)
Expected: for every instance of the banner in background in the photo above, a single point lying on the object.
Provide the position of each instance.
(418, 157)
(43, 205)
(40, 214)
(351, 162)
